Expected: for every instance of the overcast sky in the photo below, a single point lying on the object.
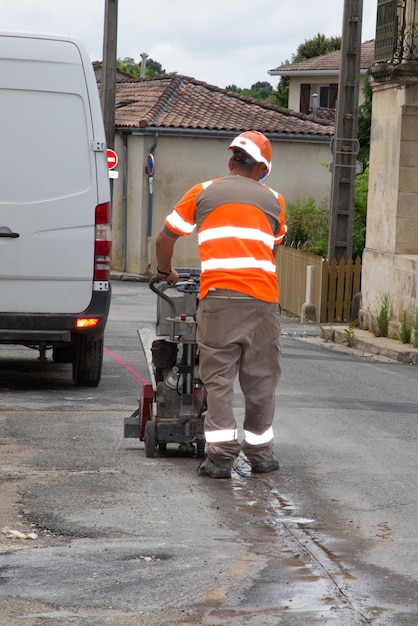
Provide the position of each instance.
(222, 42)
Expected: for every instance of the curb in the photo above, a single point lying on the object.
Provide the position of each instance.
(365, 341)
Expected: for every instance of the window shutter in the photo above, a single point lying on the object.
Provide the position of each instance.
(305, 96)
(333, 92)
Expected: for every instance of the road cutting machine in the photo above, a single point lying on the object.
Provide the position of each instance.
(172, 407)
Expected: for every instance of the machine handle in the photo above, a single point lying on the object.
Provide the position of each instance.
(162, 295)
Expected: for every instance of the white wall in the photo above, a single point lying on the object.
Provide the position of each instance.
(182, 161)
(315, 81)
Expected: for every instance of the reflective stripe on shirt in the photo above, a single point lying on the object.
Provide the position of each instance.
(223, 232)
(238, 263)
(258, 440)
(279, 239)
(178, 223)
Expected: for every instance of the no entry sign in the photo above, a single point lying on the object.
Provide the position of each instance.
(112, 159)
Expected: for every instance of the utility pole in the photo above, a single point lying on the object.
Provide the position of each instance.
(345, 142)
(108, 94)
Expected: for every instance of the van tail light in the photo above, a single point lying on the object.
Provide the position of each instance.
(87, 322)
(103, 242)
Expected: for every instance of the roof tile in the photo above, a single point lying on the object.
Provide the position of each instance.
(327, 62)
(174, 101)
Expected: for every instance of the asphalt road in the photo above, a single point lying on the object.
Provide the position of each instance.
(122, 539)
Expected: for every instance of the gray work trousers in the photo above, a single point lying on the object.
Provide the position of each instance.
(238, 336)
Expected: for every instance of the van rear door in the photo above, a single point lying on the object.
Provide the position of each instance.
(48, 190)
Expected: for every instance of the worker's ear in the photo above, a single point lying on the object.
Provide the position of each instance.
(230, 164)
(264, 171)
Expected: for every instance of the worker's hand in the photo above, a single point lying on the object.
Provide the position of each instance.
(171, 278)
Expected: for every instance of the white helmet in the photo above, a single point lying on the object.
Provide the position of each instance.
(257, 146)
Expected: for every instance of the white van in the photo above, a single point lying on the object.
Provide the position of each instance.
(55, 236)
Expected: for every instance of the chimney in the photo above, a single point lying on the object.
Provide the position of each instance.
(144, 57)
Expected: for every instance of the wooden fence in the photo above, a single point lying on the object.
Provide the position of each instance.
(333, 286)
(292, 270)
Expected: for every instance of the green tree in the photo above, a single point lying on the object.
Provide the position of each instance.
(262, 89)
(153, 68)
(129, 65)
(316, 47)
(282, 93)
(360, 213)
(365, 122)
(259, 91)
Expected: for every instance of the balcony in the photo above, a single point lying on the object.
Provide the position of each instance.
(396, 32)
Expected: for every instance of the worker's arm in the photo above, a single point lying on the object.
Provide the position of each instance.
(164, 246)
(278, 239)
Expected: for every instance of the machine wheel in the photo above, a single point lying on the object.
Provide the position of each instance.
(150, 439)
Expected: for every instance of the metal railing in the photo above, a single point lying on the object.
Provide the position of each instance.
(396, 31)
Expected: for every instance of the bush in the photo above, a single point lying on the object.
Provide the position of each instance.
(382, 318)
(307, 226)
(415, 340)
(360, 213)
(406, 328)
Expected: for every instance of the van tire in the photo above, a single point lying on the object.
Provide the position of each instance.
(88, 361)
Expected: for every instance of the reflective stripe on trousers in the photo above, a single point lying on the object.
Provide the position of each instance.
(223, 436)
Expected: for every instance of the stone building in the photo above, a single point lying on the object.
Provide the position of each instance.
(390, 259)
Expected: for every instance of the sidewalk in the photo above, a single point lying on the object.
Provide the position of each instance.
(291, 327)
(366, 341)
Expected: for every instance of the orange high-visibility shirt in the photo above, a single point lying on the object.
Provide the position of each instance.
(239, 222)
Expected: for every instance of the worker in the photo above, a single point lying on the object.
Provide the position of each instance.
(240, 222)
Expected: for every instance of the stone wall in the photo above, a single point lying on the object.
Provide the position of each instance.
(390, 260)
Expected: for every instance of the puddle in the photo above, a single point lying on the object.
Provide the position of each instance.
(299, 575)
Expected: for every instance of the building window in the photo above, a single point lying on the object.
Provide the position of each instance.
(324, 96)
(328, 96)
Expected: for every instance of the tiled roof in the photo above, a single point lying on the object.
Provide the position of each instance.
(326, 114)
(326, 62)
(180, 102)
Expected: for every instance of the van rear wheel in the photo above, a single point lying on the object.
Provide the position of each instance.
(88, 361)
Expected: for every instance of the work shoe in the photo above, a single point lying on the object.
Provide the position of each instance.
(266, 465)
(209, 468)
